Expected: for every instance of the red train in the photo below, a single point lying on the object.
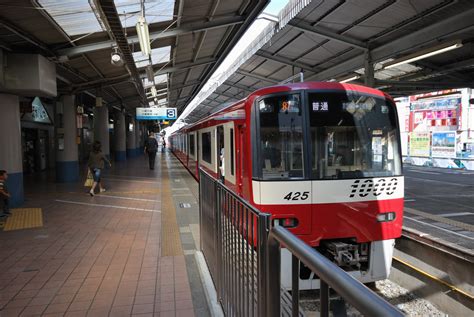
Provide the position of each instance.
(323, 158)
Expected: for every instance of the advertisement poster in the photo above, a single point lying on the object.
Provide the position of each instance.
(420, 144)
(444, 144)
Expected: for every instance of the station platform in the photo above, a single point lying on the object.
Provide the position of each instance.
(129, 251)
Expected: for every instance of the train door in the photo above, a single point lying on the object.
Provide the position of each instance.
(220, 152)
(240, 150)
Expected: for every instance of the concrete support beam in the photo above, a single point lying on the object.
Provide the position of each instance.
(10, 145)
(369, 70)
(120, 137)
(131, 139)
(101, 128)
(67, 165)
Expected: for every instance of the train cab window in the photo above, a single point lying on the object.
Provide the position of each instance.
(353, 136)
(206, 147)
(281, 137)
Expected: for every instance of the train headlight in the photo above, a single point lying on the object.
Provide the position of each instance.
(386, 216)
(285, 222)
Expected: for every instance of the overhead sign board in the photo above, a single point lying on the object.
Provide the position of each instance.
(156, 113)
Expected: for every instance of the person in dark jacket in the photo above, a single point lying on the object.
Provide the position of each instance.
(96, 165)
(151, 147)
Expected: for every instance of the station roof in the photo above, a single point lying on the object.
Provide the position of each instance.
(189, 39)
(334, 39)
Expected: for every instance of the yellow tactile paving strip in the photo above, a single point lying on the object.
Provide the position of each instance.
(151, 191)
(24, 218)
(171, 243)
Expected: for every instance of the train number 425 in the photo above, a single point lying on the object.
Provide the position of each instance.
(297, 196)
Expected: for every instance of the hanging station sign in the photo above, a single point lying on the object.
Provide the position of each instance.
(156, 113)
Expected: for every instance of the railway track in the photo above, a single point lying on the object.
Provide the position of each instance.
(441, 273)
(428, 277)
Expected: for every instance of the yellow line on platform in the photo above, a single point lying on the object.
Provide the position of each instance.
(171, 242)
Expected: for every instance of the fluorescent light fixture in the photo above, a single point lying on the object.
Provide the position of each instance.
(435, 50)
(348, 79)
(143, 36)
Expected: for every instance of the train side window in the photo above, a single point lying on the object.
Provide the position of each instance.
(206, 147)
(281, 137)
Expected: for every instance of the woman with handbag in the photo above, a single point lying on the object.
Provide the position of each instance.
(96, 165)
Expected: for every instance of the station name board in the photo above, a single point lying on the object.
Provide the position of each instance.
(156, 113)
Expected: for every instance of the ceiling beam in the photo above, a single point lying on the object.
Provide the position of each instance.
(239, 86)
(27, 37)
(285, 60)
(446, 69)
(155, 35)
(226, 94)
(411, 42)
(188, 84)
(255, 76)
(327, 34)
(101, 83)
(184, 66)
(5, 46)
(430, 84)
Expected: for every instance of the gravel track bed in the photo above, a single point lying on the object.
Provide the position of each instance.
(407, 302)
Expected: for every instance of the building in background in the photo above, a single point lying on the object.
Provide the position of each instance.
(437, 128)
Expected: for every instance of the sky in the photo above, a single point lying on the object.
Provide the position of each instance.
(273, 8)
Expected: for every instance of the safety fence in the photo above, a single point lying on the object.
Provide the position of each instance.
(242, 250)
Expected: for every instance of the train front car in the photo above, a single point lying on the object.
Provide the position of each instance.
(327, 165)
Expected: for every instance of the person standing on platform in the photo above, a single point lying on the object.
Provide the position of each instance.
(163, 143)
(96, 165)
(4, 194)
(151, 147)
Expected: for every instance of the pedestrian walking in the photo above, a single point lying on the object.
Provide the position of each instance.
(163, 144)
(96, 162)
(151, 147)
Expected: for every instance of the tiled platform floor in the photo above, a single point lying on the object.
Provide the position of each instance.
(102, 255)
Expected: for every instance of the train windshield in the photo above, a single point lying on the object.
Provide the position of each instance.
(281, 137)
(352, 136)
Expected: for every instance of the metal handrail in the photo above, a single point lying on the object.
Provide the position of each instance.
(354, 292)
(240, 264)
